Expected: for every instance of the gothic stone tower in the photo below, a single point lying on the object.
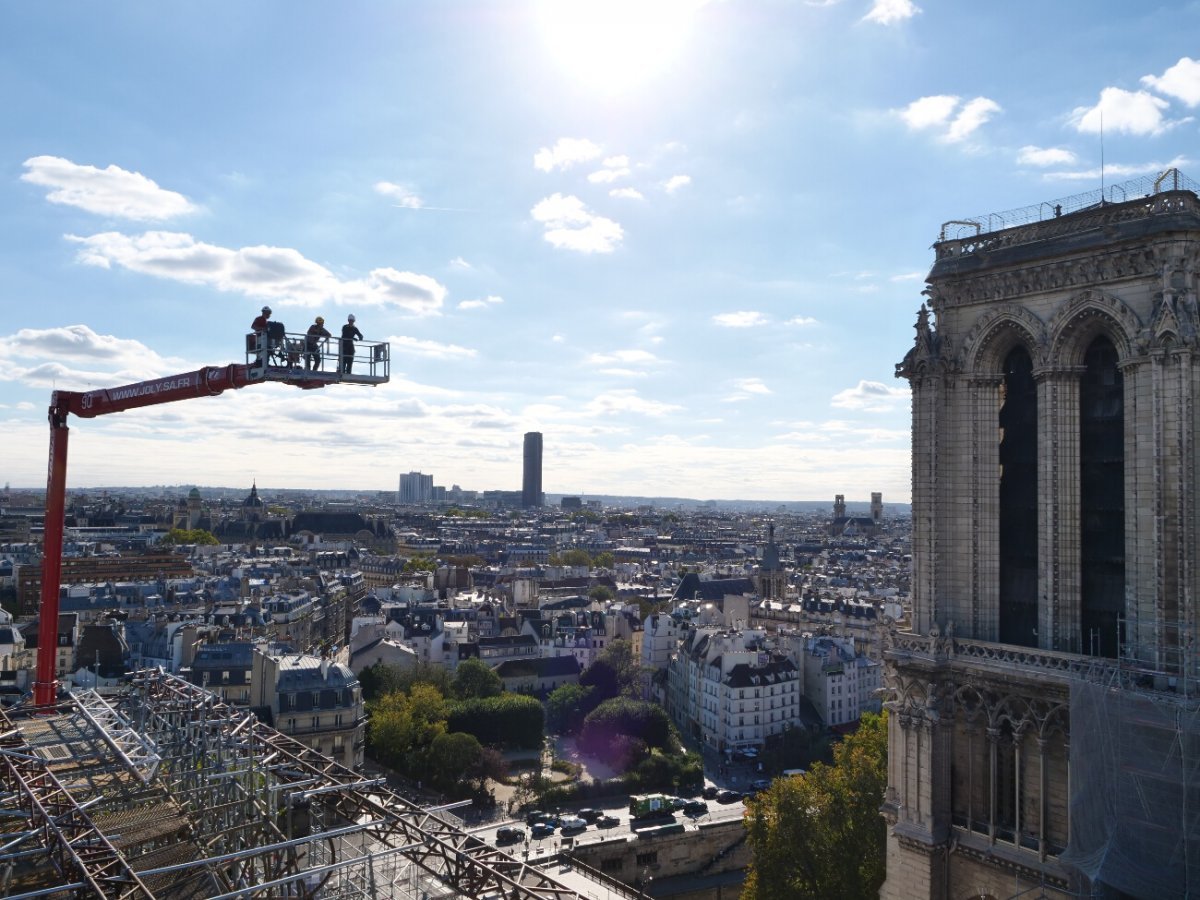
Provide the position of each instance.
(1056, 418)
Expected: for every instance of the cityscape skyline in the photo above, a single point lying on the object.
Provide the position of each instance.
(659, 235)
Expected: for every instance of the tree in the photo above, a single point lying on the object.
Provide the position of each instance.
(421, 563)
(475, 678)
(821, 835)
(615, 673)
(452, 755)
(601, 593)
(189, 536)
(603, 560)
(567, 706)
(648, 722)
(514, 720)
(573, 557)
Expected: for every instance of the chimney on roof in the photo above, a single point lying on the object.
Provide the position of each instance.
(324, 668)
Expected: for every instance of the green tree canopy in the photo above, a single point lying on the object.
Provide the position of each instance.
(615, 673)
(421, 563)
(573, 557)
(820, 835)
(603, 560)
(647, 722)
(601, 593)
(189, 536)
(567, 706)
(474, 678)
(513, 720)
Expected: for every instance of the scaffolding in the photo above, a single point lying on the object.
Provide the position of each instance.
(166, 792)
(1135, 774)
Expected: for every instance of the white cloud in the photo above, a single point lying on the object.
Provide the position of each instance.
(885, 12)
(268, 273)
(752, 386)
(431, 349)
(557, 339)
(907, 276)
(571, 225)
(626, 400)
(1128, 112)
(565, 153)
(459, 263)
(402, 194)
(1181, 81)
(742, 319)
(1044, 156)
(607, 176)
(934, 112)
(107, 192)
(870, 396)
(623, 357)
(802, 321)
(975, 113)
(616, 162)
(482, 303)
(675, 182)
(76, 356)
(929, 112)
(1119, 170)
(627, 193)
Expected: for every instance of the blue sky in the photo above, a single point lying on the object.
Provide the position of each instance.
(686, 241)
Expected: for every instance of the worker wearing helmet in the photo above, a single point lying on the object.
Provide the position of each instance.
(259, 325)
(349, 333)
(313, 341)
(258, 341)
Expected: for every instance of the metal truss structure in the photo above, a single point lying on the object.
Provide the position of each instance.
(167, 792)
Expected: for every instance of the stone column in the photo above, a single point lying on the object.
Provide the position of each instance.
(983, 620)
(1058, 515)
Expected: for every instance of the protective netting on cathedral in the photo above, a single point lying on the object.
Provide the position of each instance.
(1135, 804)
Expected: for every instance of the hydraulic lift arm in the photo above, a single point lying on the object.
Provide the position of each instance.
(206, 382)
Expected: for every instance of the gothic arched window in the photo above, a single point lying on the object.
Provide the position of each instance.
(1018, 501)
(1101, 500)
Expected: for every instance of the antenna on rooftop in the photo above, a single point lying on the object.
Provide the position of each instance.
(1102, 153)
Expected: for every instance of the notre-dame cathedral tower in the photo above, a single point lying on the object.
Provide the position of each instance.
(1042, 713)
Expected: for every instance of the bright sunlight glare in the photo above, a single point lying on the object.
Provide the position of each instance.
(615, 45)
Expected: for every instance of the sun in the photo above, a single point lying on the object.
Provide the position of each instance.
(613, 46)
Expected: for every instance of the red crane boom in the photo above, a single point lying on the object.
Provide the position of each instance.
(206, 382)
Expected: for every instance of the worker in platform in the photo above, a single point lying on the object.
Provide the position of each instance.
(349, 333)
(259, 326)
(317, 333)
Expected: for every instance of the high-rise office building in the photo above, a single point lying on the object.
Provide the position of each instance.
(1043, 720)
(416, 488)
(531, 481)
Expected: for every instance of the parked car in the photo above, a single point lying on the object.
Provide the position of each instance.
(710, 792)
(509, 834)
(590, 815)
(695, 808)
(607, 821)
(541, 830)
(761, 784)
(728, 796)
(677, 802)
(571, 823)
(535, 816)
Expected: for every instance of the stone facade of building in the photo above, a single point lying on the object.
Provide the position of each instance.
(1055, 378)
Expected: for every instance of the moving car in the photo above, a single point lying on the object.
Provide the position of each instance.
(509, 834)
(728, 796)
(541, 830)
(607, 822)
(695, 808)
(590, 815)
(535, 816)
(710, 792)
(571, 823)
(761, 785)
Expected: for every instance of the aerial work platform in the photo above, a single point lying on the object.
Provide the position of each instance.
(290, 358)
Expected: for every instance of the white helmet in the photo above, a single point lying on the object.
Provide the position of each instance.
(350, 318)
